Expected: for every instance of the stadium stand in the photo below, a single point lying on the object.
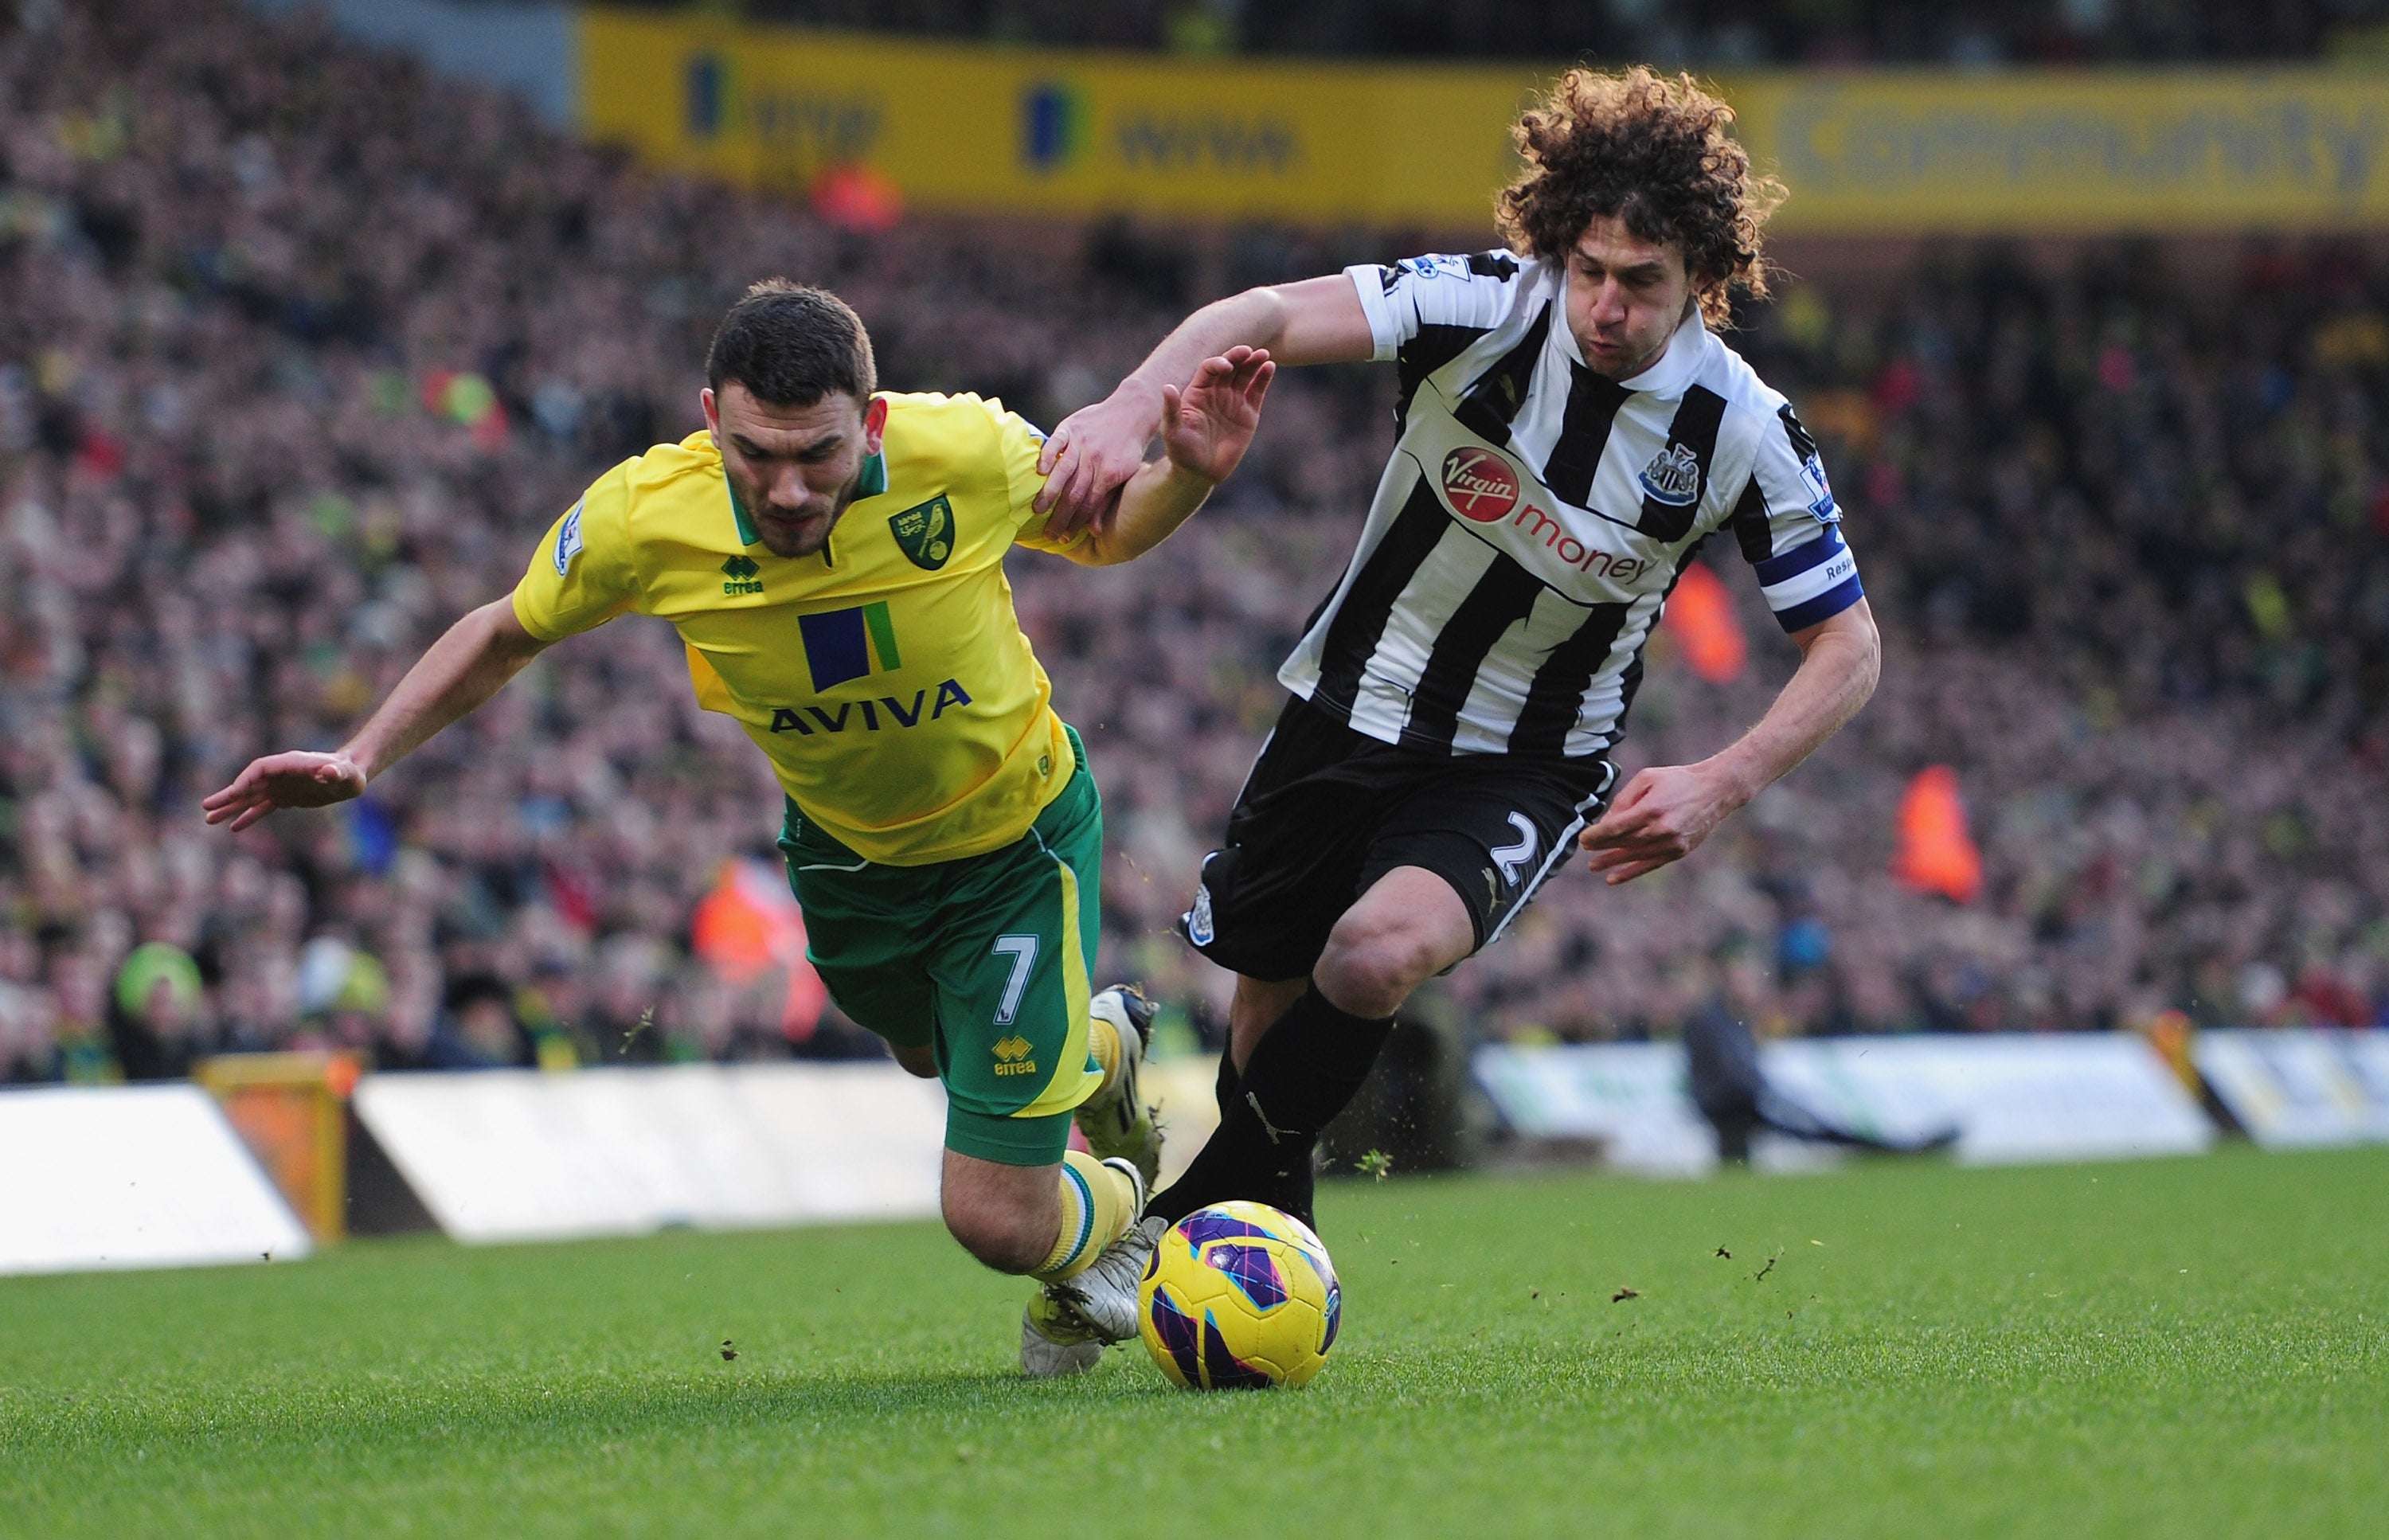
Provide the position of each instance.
(299, 350)
(1704, 33)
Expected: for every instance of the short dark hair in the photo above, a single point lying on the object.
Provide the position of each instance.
(791, 345)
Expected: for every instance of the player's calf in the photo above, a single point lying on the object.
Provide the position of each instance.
(1003, 1214)
(1310, 1063)
(1043, 1220)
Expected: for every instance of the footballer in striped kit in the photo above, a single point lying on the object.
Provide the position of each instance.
(1571, 432)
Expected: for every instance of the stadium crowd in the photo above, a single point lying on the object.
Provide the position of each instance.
(1698, 33)
(301, 352)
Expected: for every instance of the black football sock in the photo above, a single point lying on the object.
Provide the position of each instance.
(1304, 1071)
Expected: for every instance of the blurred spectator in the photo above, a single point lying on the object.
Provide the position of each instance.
(1703, 34)
(301, 352)
(478, 1029)
(156, 1025)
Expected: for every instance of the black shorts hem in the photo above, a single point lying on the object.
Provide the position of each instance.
(1328, 811)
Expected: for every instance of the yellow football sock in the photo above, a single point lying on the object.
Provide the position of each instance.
(1103, 1041)
(1098, 1205)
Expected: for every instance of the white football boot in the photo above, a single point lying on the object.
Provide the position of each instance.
(1053, 1342)
(1103, 1297)
(1119, 1124)
(1055, 1339)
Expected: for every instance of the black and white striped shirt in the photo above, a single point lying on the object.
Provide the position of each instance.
(1535, 516)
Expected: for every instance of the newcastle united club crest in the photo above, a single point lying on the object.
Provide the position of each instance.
(1673, 476)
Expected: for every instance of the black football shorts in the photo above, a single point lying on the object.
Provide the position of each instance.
(1327, 811)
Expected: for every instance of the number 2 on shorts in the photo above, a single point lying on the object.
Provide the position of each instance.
(1022, 949)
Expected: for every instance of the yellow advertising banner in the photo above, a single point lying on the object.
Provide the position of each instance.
(969, 127)
(985, 128)
(2073, 150)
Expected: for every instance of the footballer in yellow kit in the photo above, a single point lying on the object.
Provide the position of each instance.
(833, 559)
(885, 674)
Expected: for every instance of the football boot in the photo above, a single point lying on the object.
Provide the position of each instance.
(1103, 1297)
(1118, 1123)
(1053, 1341)
(1054, 1338)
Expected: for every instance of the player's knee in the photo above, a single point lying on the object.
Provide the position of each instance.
(1370, 969)
(1006, 1240)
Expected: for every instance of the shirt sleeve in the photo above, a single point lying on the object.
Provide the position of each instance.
(1020, 442)
(1419, 294)
(1790, 530)
(582, 575)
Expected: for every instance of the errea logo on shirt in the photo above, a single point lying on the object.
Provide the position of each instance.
(744, 575)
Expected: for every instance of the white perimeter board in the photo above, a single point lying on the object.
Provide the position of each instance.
(2012, 1098)
(132, 1176)
(521, 1155)
(1629, 1097)
(2292, 1087)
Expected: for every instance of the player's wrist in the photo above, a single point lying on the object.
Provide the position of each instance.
(1140, 395)
(1738, 783)
(1185, 478)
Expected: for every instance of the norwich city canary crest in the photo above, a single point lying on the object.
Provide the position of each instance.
(924, 533)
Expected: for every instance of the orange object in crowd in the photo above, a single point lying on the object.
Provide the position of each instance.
(1935, 854)
(1700, 618)
(858, 198)
(750, 923)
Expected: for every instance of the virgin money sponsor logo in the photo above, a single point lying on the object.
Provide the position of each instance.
(1479, 484)
(1538, 525)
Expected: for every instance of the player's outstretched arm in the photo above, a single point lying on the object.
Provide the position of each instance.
(471, 661)
(1205, 431)
(1097, 449)
(1665, 812)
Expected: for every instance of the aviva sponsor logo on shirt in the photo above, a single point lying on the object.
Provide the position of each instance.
(842, 645)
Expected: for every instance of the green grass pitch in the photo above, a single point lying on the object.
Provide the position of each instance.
(2170, 1348)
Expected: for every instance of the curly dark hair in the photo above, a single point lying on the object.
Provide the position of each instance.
(1654, 153)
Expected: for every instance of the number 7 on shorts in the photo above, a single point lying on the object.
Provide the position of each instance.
(1022, 949)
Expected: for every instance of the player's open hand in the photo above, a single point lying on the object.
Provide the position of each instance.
(295, 780)
(1091, 455)
(1662, 816)
(1206, 428)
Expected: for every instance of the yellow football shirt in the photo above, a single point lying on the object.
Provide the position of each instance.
(888, 677)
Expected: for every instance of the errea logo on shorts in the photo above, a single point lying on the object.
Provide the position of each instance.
(1011, 1056)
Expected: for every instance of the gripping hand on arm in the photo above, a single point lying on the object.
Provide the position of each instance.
(1205, 431)
(1095, 451)
(470, 663)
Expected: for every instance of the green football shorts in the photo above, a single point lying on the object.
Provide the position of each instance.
(986, 958)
